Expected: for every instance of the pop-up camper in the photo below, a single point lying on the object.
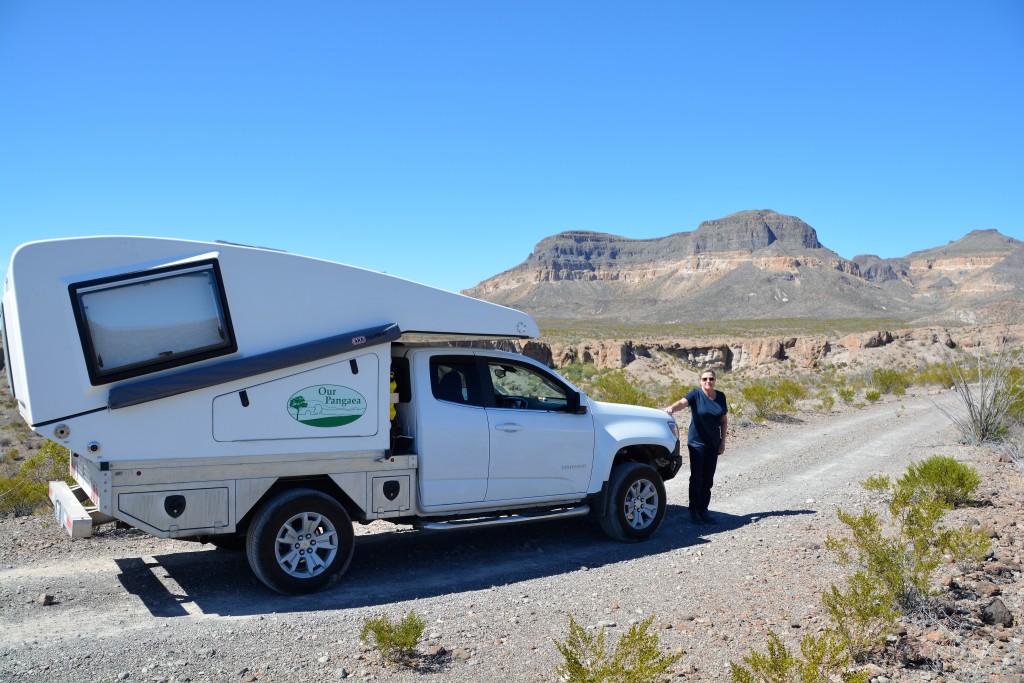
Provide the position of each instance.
(252, 398)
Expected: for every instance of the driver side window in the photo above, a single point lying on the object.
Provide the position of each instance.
(522, 388)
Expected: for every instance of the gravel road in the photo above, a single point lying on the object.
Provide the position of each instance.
(130, 607)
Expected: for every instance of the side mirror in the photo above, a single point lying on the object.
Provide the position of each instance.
(574, 403)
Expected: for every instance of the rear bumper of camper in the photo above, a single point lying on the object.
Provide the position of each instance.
(74, 511)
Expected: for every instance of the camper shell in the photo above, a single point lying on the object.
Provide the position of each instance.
(262, 400)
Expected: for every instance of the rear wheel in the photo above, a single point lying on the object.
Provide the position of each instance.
(636, 503)
(300, 541)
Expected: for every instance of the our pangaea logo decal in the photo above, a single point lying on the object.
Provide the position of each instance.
(326, 405)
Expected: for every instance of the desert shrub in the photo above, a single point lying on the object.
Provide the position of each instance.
(890, 578)
(968, 547)
(21, 497)
(578, 373)
(826, 401)
(940, 477)
(991, 389)
(28, 490)
(767, 399)
(672, 393)
(893, 569)
(872, 395)
(864, 613)
(396, 643)
(635, 659)
(895, 562)
(615, 387)
(847, 394)
(877, 482)
(889, 381)
(936, 373)
(823, 658)
(791, 390)
(9, 464)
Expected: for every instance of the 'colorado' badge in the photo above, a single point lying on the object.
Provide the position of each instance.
(326, 405)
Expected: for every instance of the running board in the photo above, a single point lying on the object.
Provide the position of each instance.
(509, 519)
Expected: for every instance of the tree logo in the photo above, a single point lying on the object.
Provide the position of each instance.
(326, 405)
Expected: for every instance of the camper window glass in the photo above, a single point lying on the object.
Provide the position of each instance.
(138, 324)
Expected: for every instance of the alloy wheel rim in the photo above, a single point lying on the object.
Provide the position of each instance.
(306, 545)
(641, 504)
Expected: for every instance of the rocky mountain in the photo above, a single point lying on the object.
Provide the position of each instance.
(757, 265)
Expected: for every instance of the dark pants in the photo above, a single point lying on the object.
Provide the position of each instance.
(703, 463)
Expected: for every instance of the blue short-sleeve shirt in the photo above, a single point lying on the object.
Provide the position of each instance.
(706, 419)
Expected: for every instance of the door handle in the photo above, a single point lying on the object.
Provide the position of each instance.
(508, 427)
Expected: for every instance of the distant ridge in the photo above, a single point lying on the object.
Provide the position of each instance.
(758, 264)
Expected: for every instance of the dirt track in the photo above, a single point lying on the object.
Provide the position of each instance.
(130, 607)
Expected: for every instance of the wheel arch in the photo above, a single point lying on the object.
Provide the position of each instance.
(664, 461)
(323, 483)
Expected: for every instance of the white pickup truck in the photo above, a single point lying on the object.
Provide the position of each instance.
(255, 399)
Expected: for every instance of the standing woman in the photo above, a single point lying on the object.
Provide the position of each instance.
(705, 441)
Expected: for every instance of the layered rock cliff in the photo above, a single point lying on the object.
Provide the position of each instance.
(903, 347)
(751, 265)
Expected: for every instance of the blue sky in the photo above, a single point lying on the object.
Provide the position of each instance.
(440, 141)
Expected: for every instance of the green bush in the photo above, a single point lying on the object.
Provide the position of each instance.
(615, 387)
(636, 658)
(9, 464)
(872, 395)
(847, 394)
(28, 490)
(936, 373)
(395, 643)
(826, 401)
(672, 393)
(941, 477)
(892, 381)
(791, 390)
(823, 658)
(577, 373)
(864, 613)
(877, 482)
(893, 570)
(897, 562)
(769, 399)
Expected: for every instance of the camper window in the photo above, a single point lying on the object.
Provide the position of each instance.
(144, 322)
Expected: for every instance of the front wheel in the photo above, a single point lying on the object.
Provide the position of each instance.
(299, 541)
(636, 503)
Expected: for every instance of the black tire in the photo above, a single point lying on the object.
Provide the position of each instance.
(636, 502)
(299, 541)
